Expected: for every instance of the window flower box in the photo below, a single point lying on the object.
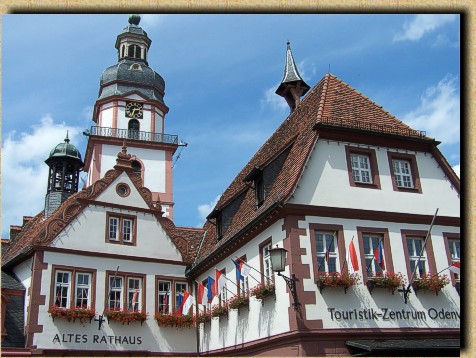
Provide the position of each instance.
(203, 317)
(173, 320)
(237, 302)
(434, 283)
(125, 316)
(72, 314)
(219, 311)
(264, 290)
(336, 279)
(389, 280)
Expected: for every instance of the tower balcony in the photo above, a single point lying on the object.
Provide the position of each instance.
(134, 135)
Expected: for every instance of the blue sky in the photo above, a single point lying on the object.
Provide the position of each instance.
(221, 72)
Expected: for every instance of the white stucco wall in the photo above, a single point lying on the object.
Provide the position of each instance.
(359, 298)
(325, 182)
(87, 231)
(23, 273)
(151, 336)
(261, 320)
(153, 162)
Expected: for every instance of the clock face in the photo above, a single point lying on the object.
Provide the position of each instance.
(134, 110)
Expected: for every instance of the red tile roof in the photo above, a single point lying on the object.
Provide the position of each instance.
(331, 102)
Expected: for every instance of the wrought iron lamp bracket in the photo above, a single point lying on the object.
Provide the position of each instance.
(291, 283)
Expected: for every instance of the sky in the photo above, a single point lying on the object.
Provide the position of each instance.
(221, 72)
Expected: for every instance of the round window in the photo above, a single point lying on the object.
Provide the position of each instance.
(123, 189)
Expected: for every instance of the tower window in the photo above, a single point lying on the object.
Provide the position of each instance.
(135, 51)
(137, 167)
(133, 129)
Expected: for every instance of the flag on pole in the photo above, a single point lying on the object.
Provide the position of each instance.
(455, 267)
(179, 300)
(187, 302)
(239, 276)
(352, 261)
(220, 281)
(58, 296)
(378, 253)
(327, 254)
(202, 294)
(166, 298)
(244, 269)
(211, 288)
(135, 298)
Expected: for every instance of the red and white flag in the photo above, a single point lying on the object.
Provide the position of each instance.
(202, 294)
(187, 302)
(220, 281)
(454, 267)
(244, 268)
(352, 261)
(135, 298)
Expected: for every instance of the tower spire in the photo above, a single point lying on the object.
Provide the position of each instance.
(292, 86)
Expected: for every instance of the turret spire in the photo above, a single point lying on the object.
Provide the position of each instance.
(292, 86)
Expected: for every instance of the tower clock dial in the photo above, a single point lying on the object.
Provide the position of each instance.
(134, 110)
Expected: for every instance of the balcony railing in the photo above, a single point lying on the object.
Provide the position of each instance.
(135, 135)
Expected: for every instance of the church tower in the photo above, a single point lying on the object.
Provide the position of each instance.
(65, 164)
(131, 108)
(292, 87)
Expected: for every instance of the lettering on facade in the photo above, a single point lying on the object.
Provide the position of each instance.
(96, 339)
(386, 314)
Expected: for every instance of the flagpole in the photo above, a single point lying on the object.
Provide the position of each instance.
(239, 288)
(328, 248)
(373, 256)
(251, 267)
(441, 271)
(407, 290)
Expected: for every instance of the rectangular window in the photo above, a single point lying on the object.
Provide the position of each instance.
(125, 292)
(402, 172)
(62, 289)
(121, 229)
(259, 189)
(326, 242)
(414, 247)
(164, 296)
(127, 230)
(361, 168)
(371, 242)
(72, 287)
(134, 288)
(113, 228)
(83, 290)
(180, 287)
(219, 224)
(454, 246)
(268, 270)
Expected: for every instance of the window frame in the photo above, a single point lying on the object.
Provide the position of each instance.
(72, 285)
(430, 256)
(173, 280)
(125, 288)
(262, 261)
(259, 188)
(411, 159)
(374, 172)
(387, 249)
(121, 219)
(450, 236)
(339, 229)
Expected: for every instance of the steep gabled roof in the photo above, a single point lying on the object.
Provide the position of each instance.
(39, 232)
(332, 103)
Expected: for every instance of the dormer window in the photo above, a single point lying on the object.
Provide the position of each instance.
(219, 223)
(256, 175)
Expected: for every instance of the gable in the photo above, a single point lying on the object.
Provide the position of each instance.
(122, 191)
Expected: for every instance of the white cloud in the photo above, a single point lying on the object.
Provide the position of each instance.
(149, 21)
(456, 169)
(420, 25)
(24, 172)
(205, 209)
(439, 111)
(274, 101)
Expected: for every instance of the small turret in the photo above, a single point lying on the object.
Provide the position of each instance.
(65, 164)
(292, 86)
